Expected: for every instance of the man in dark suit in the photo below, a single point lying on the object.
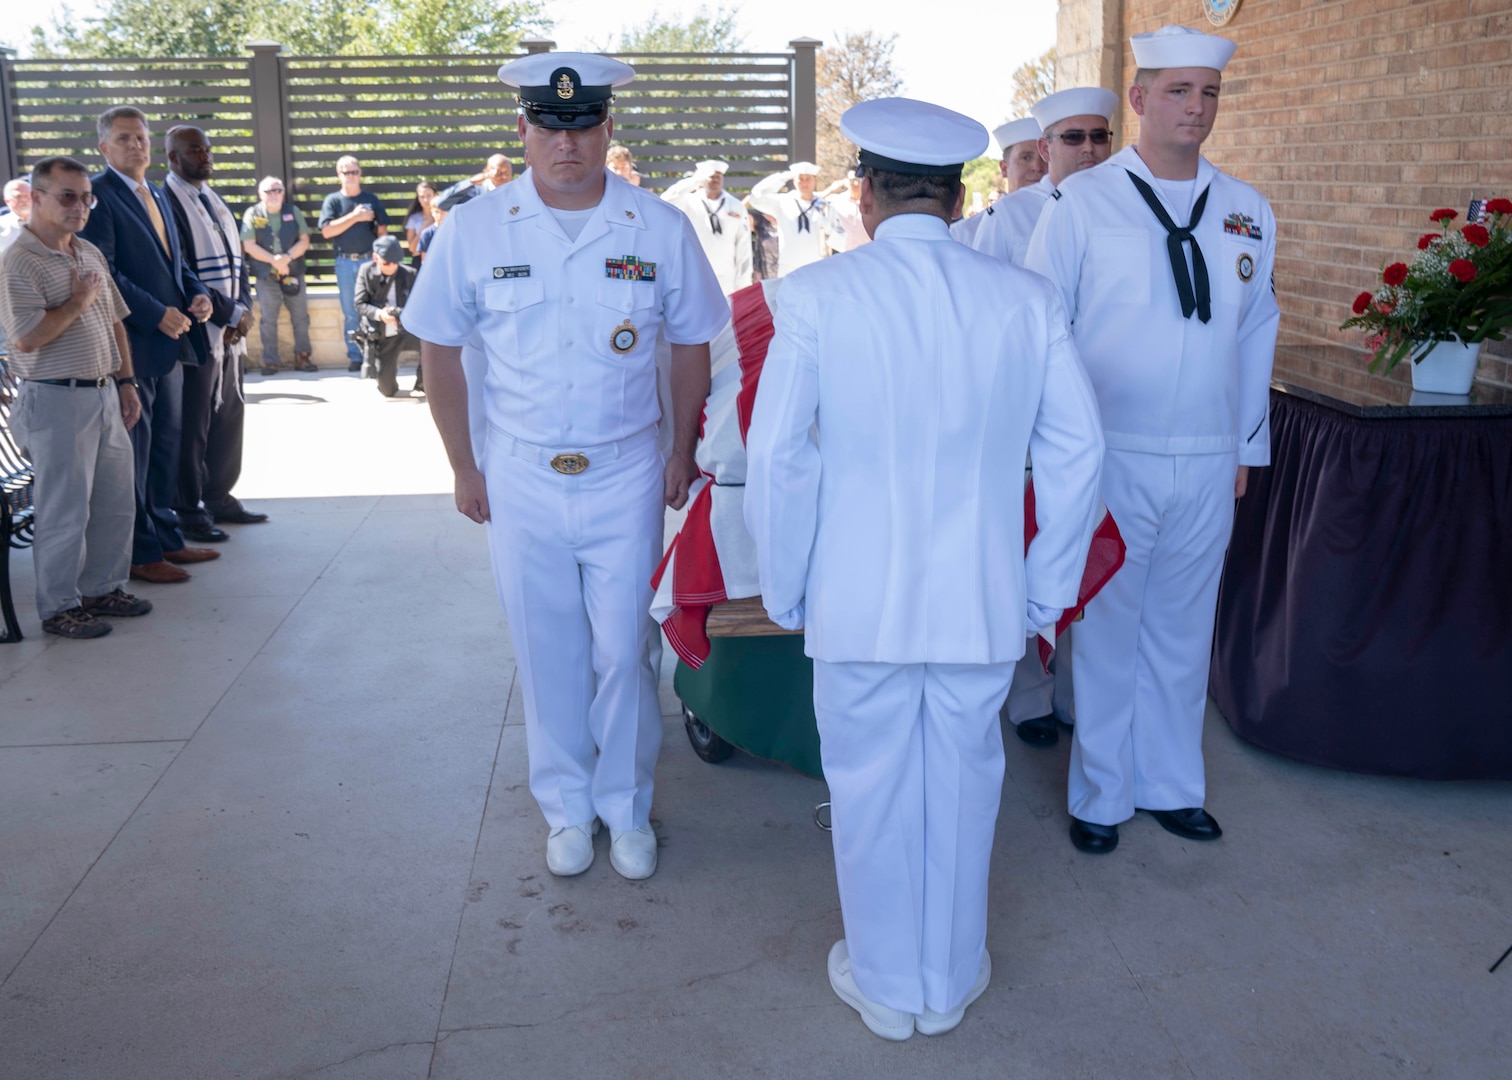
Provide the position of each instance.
(132, 227)
(383, 288)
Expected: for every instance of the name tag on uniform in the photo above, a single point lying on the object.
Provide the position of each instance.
(511, 271)
(629, 268)
(1242, 225)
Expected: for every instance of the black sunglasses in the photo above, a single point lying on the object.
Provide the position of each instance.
(1100, 137)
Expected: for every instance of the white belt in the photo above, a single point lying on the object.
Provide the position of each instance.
(571, 462)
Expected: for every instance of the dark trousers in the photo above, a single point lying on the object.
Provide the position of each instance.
(155, 452)
(210, 457)
(385, 358)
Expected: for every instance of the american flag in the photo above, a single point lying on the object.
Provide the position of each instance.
(1477, 207)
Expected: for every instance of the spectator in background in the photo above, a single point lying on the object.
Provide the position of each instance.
(418, 217)
(846, 231)
(497, 171)
(275, 238)
(621, 163)
(383, 288)
(423, 244)
(352, 219)
(18, 204)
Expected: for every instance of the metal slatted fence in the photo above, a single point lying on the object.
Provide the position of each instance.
(406, 119)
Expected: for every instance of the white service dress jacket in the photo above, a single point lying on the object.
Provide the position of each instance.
(1166, 384)
(1005, 235)
(569, 328)
(903, 388)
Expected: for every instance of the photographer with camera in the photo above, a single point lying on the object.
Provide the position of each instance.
(383, 288)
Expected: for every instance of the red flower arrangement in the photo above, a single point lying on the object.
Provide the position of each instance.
(1458, 287)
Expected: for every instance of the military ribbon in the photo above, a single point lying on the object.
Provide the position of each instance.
(1202, 303)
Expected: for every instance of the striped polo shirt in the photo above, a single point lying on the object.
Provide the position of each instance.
(35, 278)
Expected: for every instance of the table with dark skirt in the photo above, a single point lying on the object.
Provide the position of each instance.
(1365, 615)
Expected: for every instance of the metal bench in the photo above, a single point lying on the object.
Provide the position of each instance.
(16, 508)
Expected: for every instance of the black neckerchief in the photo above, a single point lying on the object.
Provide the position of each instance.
(1202, 301)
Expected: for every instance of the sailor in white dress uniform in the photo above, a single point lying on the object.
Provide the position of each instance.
(719, 221)
(1021, 167)
(1165, 264)
(802, 216)
(567, 278)
(896, 540)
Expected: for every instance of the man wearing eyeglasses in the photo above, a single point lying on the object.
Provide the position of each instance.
(1165, 266)
(351, 219)
(78, 399)
(1076, 135)
(275, 237)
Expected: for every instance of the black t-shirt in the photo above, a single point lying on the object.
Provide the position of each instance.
(358, 238)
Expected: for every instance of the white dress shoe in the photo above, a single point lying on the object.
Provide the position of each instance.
(569, 851)
(933, 1023)
(888, 1023)
(632, 852)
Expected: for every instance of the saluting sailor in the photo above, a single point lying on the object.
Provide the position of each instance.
(1077, 135)
(719, 221)
(802, 216)
(896, 542)
(566, 280)
(1021, 167)
(1165, 265)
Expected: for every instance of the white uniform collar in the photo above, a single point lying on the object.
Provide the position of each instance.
(518, 201)
(1130, 161)
(913, 227)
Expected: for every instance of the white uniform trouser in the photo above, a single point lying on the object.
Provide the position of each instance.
(82, 491)
(913, 755)
(1143, 650)
(1035, 694)
(573, 558)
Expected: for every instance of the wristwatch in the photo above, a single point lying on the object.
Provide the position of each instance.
(131, 382)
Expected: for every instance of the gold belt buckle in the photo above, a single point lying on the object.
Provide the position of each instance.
(569, 464)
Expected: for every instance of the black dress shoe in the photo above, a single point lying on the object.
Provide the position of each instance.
(1193, 823)
(1039, 731)
(1093, 839)
(240, 517)
(205, 534)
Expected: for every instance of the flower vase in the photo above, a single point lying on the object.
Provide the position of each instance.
(1448, 367)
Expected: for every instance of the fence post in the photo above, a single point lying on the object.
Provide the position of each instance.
(10, 152)
(537, 44)
(804, 140)
(270, 127)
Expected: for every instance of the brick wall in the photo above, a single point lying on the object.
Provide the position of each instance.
(1355, 118)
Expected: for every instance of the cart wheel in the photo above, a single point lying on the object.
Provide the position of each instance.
(706, 744)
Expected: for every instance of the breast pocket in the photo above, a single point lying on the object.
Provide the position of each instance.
(629, 317)
(516, 313)
(1120, 265)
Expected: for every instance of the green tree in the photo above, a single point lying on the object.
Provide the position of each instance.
(1032, 81)
(981, 177)
(858, 69)
(706, 32)
(129, 28)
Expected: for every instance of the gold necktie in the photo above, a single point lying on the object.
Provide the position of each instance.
(155, 215)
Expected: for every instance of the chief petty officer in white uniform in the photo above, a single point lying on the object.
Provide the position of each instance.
(719, 221)
(567, 277)
(897, 542)
(1077, 135)
(1021, 167)
(802, 216)
(1165, 265)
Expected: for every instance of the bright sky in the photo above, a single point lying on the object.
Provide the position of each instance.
(951, 56)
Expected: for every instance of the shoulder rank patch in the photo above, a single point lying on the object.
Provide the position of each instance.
(1242, 225)
(510, 272)
(629, 268)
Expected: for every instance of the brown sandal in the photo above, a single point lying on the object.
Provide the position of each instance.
(302, 362)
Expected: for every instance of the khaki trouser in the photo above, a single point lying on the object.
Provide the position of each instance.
(82, 490)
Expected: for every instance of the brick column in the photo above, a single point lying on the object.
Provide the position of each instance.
(1089, 45)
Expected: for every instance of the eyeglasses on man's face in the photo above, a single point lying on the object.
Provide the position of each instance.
(272, 191)
(350, 172)
(1075, 137)
(69, 197)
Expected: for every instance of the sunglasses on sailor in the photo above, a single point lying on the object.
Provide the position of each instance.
(69, 197)
(1075, 137)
